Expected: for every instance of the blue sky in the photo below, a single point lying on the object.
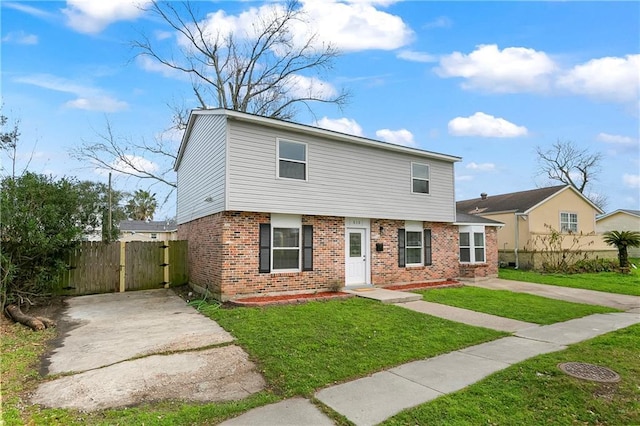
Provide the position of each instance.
(487, 81)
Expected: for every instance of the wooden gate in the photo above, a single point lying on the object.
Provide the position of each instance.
(95, 267)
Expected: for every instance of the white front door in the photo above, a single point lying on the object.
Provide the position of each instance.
(356, 256)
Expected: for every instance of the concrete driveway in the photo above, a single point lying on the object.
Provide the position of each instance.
(122, 349)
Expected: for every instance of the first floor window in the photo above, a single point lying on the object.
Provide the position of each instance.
(414, 245)
(286, 248)
(472, 244)
(568, 222)
(286, 245)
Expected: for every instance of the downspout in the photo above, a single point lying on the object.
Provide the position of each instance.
(517, 238)
(515, 250)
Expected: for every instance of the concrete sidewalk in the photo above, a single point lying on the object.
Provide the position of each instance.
(373, 399)
(578, 295)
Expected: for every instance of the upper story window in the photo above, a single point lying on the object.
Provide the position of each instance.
(568, 222)
(292, 160)
(472, 244)
(419, 178)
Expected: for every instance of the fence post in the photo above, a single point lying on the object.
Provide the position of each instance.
(166, 264)
(123, 269)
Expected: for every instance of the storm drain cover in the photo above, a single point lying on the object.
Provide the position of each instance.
(591, 372)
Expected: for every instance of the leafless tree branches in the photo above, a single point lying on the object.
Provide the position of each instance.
(264, 71)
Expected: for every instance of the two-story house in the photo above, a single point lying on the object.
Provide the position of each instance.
(270, 206)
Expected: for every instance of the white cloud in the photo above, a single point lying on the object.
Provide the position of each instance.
(485, 125)
(33, 11)
(342, 125)
(299, 86)
(616, 139)
(439, 22)
(632, 181)
(463, 178)
(124, 166)
(611, 79)
(511, 70)
(482, 167)
(151, 65)
(349, 26)
(398, 137)
(92, 16)
(87, 97)
(98, 103)
(20, 37)
(414, 56)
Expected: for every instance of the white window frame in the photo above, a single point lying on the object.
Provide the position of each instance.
(305, 162)
(428, 179)
(286, 221)
(569, 222)
(413, 226)
(472, 230)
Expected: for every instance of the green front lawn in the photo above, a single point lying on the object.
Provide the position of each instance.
(611, 282)
(519, 306)
(536, 392)
(301, 348)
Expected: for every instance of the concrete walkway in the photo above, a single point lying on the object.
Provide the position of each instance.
(578, 295)
(373, 399)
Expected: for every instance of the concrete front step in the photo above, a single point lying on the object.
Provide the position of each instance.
(385, 296)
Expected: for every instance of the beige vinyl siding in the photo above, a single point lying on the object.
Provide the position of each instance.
(202, 170)
(621, 222)
(344, 179)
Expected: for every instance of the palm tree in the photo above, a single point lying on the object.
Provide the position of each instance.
(142, 205)
(621, 240)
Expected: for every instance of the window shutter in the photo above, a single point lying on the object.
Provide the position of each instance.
(401, 247)
(427, 247)
(265, 247)
(307, 247)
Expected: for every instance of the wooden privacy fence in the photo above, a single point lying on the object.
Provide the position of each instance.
(95, 267)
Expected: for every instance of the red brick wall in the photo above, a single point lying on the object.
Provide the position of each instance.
(384, 265)
(490, 267)
(224, 255)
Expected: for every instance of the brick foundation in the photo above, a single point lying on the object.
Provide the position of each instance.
(224, 255)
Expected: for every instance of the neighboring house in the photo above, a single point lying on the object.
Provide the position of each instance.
(270, 206)
(620, 220)
(142, 230)
(527, 216)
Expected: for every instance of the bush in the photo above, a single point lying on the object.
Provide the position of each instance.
(594, 266)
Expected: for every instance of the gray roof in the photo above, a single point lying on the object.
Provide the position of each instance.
(148, 226)
(465, 218)
(518, 202)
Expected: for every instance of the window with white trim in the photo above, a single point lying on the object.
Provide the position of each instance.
(472, 244)
(285, 245)
(292, 160)
(419, 178)
(414, 245)
(568, 222)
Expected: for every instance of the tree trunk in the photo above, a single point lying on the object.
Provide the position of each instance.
(35, 323)
(623, 257)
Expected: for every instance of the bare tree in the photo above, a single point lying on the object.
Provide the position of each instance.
(567, 163)
(266, 70)
(127, 157)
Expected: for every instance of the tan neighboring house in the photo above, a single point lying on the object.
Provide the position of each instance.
(527, 216)
(141, 230)
(620, 220)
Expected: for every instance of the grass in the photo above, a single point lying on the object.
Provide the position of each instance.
(301, 348)
(611, 282)
(536, 392)
(519, 306)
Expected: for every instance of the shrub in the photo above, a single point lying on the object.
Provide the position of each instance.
(594, 266)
